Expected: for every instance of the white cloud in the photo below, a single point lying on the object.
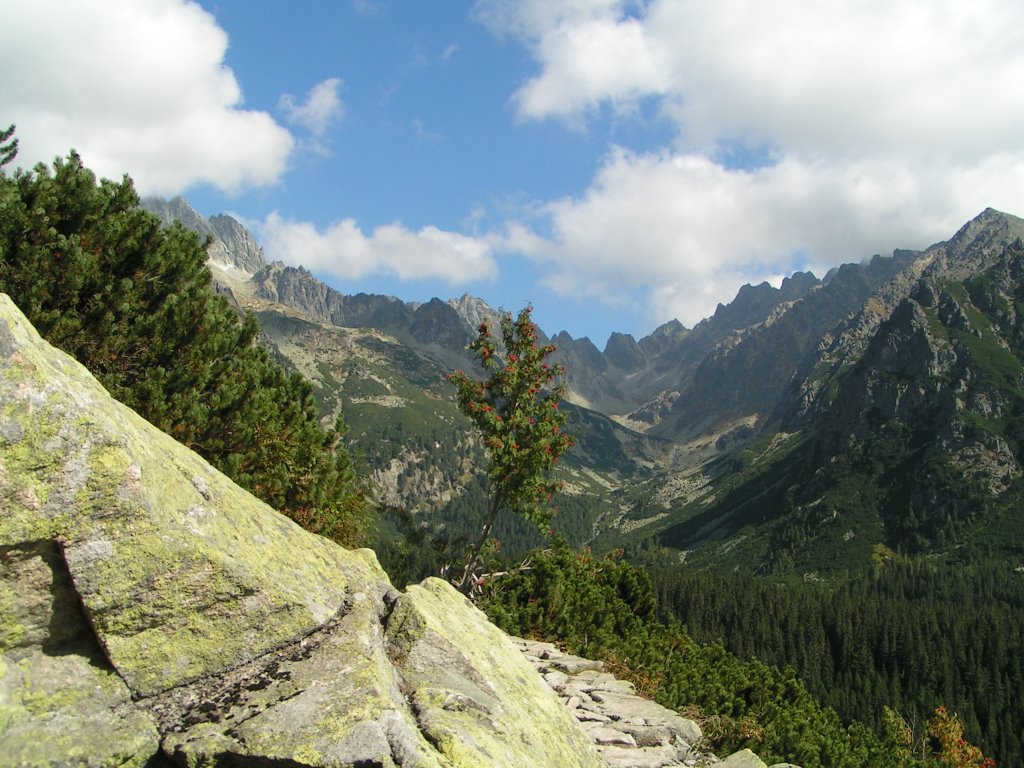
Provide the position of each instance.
(321, 108)
(138, 87)
(884, 125)
(344, 251)
(366, 7)
(682, 232)
(599, 60)
(916, 76)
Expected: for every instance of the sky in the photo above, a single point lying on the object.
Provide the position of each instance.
(615, 163)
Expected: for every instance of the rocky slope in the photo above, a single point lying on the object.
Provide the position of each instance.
(152, 609)
(156, 614)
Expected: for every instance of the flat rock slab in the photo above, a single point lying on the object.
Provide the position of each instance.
(743, 759)
(658, 757)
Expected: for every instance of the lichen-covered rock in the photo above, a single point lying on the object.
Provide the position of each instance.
(742, 759)
(332, 700)
(475, 695)
(151, 610)
(181, 571)
(61, 703)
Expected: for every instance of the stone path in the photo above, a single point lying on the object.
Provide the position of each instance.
(629, 730)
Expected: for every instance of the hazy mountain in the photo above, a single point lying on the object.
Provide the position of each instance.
(810, 432)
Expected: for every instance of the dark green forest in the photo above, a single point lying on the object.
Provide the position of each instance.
(604, 607)
(910, 634)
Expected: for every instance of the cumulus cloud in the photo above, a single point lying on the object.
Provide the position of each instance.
(850, 75)
(136, 86)
(682, 232)
(321, 108)
(874, 125)
(344, 251)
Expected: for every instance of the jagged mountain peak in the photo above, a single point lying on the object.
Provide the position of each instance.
(623, 351)
(976, 243)
(989, 220)
(798, 284)
(473, 310)
(234, 245)
(663, 336)
(231, 244)
(755, 303)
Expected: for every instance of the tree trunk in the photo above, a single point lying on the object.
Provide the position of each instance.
(466, 583)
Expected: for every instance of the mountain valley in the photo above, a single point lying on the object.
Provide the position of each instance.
(776, 436)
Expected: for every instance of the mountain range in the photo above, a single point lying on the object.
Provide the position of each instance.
(806, 429)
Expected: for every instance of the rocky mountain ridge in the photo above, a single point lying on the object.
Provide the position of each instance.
(674, 423)
(636, 382)
(968, 252)
(910, 440)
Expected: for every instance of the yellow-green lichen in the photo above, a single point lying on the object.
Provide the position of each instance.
(66, 710)
(12, 632)
(181, 571)
(476, 697)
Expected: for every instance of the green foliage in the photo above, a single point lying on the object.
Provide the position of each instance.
(604, 607)
(912, 634)
(517, 413)
(133, 302)
(8, 150)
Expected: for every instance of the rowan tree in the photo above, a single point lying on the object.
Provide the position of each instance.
(516, 410)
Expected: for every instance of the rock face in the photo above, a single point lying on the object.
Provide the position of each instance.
(235, 245)
(231, 244)
(155, 613)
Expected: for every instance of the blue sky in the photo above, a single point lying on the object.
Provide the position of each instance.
(616, 163)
